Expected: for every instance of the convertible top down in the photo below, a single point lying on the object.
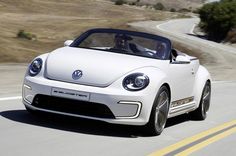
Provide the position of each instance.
(118, 76)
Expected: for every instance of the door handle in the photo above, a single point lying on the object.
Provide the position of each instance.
(192, 72)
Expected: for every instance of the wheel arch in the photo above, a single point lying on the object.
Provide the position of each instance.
(168, 87)
(202, 76)
(169, 90)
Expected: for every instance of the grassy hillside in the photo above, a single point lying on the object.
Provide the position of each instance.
(53, 21)
(171, 4)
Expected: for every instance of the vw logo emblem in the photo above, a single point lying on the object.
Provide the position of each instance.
(77, 74)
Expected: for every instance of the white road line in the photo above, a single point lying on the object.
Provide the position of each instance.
(208, 43)
(10, 98)
(215, 82)
(192, 29)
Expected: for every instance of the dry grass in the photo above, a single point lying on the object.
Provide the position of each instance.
(176, 4)
(54, 21)
(231, 36)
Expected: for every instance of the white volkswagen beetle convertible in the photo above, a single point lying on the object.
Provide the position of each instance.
(118, 76)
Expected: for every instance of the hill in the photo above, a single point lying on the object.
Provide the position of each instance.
(171, 4)
(54, 21)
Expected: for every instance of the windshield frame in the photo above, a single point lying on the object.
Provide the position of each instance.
(86, 34)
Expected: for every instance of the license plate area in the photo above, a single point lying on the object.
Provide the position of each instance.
(71, 94)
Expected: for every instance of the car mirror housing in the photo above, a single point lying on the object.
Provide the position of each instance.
(182, 60)
(68, 43)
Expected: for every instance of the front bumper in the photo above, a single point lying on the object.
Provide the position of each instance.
(131, 108)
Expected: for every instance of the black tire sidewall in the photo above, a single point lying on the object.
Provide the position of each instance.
(198, 114)
(204, 114)
(151, 124)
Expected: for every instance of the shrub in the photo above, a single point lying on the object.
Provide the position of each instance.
(26, 35)
(119, 2)
(184, 10)
(231, 36)
(132, 3)
(159, 6)
(196, 11)
(218, 18)
(172, 10)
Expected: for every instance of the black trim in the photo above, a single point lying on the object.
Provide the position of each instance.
(71, 106)
(83, 36)
(182, 62)
(194, 59)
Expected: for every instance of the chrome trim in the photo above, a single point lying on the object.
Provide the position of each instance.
(77, 74)
(27, 101)
(182, 102)
(33, 73)
(182, 109)
(130, 103)
(193, 59)
(27, 86)
(116, 121)
(134, 76)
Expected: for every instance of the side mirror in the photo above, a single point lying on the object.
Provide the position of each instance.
(68, 43)
(180, 59)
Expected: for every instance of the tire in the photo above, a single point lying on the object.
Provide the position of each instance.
(159, 113)
(201, 112)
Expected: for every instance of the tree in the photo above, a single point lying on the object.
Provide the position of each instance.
(218, 18)
(119, 2)
(172, 10)
(159, 6)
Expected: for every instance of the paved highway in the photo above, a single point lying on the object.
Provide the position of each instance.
(218, 58)
(185, 27)
(24, 134)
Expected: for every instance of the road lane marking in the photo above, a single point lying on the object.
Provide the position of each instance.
(179, 150)
(10, 98)
(195, 39)
(207, 142)
(216, 82)
(192, 29)
(187, 141)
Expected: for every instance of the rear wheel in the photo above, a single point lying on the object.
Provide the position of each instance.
(159, 113)
(201, 112)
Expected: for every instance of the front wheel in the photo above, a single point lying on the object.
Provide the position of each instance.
(159, 113)
(201, 112)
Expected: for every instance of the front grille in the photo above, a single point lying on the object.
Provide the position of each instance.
(72, 106)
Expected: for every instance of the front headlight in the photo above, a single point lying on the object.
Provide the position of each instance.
(35, 67)
(135, 82)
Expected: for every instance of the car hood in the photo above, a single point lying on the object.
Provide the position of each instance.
(99, 68)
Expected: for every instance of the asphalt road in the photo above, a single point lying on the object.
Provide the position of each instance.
(219, 59)
(24, 134)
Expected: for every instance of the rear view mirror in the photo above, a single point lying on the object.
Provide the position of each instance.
(180, 59)
(68, 43)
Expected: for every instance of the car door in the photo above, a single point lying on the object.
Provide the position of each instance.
(181, 78)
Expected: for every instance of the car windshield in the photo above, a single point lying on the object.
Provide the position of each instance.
(125, 42)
